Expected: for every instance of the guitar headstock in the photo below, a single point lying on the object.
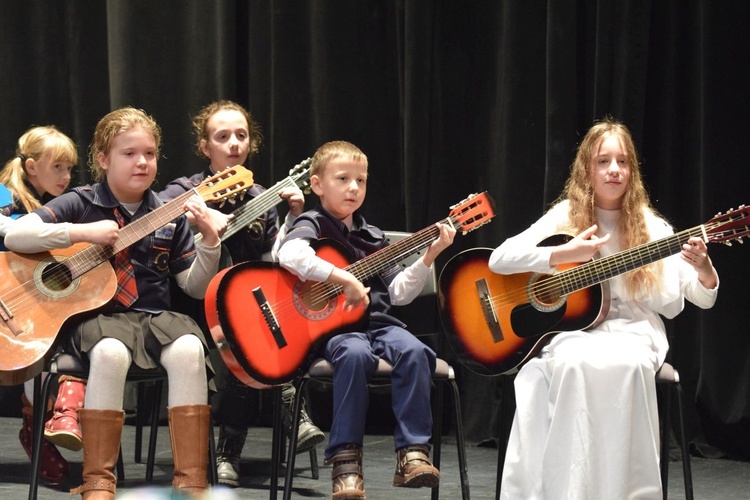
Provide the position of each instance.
(729, 226)
(229, 183)
(301, 174)
(474, 211)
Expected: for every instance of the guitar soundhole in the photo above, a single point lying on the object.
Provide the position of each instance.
(314, 300)
(544, 293)
(56, 277)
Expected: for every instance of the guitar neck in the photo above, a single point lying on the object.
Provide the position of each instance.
(93, 255)
(600, 270)
(390, 255)
(253, 209)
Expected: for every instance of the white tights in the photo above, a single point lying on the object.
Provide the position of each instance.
(110, 360)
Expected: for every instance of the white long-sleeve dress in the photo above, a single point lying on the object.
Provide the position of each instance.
(586, 422)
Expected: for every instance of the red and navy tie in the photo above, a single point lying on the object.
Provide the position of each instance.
(127, 291)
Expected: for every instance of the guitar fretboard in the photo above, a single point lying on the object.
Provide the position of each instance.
(250, 211)
(93, 255)
(600, 270)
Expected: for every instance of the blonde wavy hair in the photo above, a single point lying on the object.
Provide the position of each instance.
(36, 143)
(115, 123)
(632, 228)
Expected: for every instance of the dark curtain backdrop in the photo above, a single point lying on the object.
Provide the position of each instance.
(446, 98)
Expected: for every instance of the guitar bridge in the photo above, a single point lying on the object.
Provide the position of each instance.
(269, 317)
(7, 316)
(489, 312)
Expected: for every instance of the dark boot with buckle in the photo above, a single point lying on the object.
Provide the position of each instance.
(54, 467)
(347, 477)
(414, 469)
(101, 430)
(228, 452)
(308, 434)
(62, 429)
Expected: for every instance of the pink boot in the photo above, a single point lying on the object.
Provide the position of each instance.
(54, 467)
(62, 429)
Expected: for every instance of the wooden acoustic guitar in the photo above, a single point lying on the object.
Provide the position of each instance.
(39, 292)
(266, 322)
(495, 323)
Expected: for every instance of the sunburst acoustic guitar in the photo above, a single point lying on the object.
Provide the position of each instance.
(495, 323)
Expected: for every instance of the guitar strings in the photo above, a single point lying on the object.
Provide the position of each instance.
(68, 270)
(594, 272)
(382, 260)
(386, 257)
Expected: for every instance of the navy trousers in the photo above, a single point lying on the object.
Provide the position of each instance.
(355, 357)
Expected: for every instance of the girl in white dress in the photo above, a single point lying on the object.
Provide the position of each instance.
(586, 424)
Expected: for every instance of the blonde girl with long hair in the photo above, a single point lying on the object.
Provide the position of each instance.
(586, 423)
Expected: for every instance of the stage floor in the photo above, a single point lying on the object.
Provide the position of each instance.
(713, 479)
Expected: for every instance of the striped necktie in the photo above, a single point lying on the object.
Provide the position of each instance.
(127, 291)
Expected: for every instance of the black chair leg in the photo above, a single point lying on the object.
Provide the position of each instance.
(158, 387)
(291, 455)
(213, 474)
(41, 395)
(666, 436)
(277, 443)
(686, 470)
(460, 441)
(437, 434)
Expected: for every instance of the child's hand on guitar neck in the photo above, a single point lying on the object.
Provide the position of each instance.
(579, 249)
(695, 253)
(208, 225)
(103, 232)
(443, 241)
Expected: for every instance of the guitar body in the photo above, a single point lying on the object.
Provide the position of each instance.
(34, 307)
(240, 300)
(496, 322)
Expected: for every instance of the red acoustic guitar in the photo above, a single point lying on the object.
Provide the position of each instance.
(39, 292)
(495, 323)
(265, 321)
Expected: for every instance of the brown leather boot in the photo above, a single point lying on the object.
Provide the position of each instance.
(347, 478)
(53, 466)
(101, 430)
(188, 429)
(62, 429)
(414, 469)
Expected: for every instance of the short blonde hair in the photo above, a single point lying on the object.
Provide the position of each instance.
(115, 123)
(335, 149)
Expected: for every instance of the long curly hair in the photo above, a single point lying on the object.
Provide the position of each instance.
(632, 228)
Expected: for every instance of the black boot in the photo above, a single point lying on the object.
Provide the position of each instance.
(308, 434)
(228, 452)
